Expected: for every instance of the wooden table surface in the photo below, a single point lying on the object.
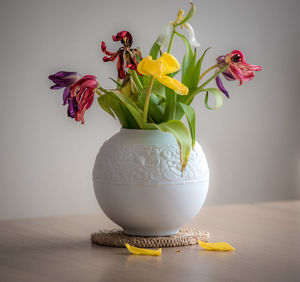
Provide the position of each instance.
(266, 237)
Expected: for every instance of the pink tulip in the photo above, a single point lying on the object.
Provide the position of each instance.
(238, 69)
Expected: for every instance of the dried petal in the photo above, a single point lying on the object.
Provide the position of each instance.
(192, 38)
(63, 79)
(130, 55)
(221, 86)
(217, 246)
(163, 38)
(140, 251)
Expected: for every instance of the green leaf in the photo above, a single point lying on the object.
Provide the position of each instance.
(132, 124)
(130, 105)
(158, 89)
(155, 110)
(189, 15)
(136, 79)
(197, 70)
(187, 99)
(187, 59)
(104, 103)
(171, 99)
(218, 95)
(154, 51)
(199, 63)
(129, 88)
(170, 108)
(190, 75)
(126, 86)
(191, 118)
(117, 108)
(116, 82)
(134, 89)
(114, 108)
(162, 101)
(183, 137)
(173, 74)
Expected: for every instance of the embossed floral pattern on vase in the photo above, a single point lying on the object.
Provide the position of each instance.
(150, 164)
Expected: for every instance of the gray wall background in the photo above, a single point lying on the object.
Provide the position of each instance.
(252, 142)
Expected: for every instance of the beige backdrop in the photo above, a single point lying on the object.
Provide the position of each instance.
(252, 143)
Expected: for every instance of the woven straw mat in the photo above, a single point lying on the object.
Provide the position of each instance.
(117, 238)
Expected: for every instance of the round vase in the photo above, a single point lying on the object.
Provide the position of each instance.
(139, 185)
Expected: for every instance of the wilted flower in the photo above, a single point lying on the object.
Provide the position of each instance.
(78, 92)
(192, 38)
(123, 53)
(63, 79)
(183, 21)
(164, 36)
(82, 94)
(160, 68)
(237, 69)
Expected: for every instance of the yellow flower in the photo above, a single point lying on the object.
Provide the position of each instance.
(159, 68)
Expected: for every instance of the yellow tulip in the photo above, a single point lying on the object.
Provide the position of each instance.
(160, 68)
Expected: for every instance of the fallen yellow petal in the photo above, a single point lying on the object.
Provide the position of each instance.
(140, 251)
(218, 246)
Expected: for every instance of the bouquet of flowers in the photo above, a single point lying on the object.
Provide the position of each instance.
(147, 94)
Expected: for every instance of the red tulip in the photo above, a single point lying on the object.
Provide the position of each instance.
(124, 53)
(83, 92)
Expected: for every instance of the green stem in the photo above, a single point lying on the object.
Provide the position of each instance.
(102, 89)
(171, 40)
(200, 88)
(146, 105)
(214, 76)
(136, 79)
(98, 92)
(173, 99)
(207, 71)
(119, 83)
(173, 106)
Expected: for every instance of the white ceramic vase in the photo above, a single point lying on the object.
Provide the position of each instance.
(139, 185)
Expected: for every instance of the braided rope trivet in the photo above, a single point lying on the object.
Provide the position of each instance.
(117, 238)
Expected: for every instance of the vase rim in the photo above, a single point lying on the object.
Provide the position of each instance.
(128, 130)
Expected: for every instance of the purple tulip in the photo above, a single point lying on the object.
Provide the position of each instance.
(73, 108)
(221, 86)
(72, 104)
(63, 79)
